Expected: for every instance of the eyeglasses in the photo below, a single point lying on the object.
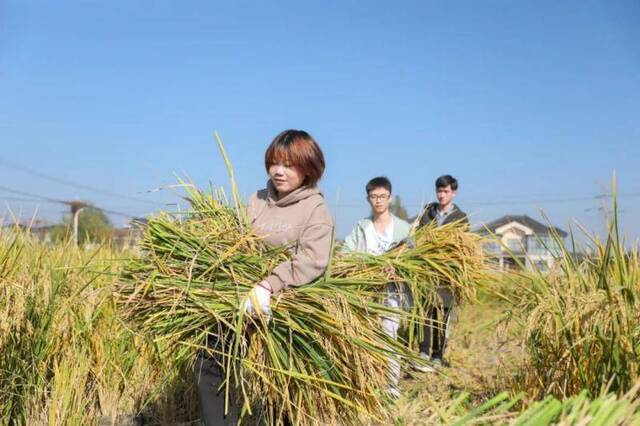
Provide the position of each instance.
(382, 197)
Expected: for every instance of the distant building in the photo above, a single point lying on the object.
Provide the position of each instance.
(127, 238)
(520, 239)
(43, 233)
(119, 238)
(41, 230)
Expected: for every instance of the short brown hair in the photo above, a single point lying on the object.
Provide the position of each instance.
(301, 150)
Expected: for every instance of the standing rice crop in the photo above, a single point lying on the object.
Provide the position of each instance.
(65, 356)
(582, 320)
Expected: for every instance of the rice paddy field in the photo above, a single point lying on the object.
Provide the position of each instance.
(102, 337)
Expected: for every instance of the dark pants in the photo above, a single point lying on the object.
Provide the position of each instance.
(209, 377)
(435, 332)
(436, 328)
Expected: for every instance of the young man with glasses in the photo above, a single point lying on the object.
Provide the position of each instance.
(436, 330)
(375, 235)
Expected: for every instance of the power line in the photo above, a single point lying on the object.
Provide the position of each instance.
(27, 200)
(556, 200)
(522, 202)
(509, 203)
(53, 200)
(31, 212)
(66, 182)
(27, 194)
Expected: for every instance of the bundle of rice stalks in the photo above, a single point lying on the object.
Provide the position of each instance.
(432, 257)
(322, 357)
(582, 321)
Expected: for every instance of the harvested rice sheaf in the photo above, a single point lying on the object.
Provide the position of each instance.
(322, 358)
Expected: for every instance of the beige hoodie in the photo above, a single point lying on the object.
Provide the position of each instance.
(301, 221)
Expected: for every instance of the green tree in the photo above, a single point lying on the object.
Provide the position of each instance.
(398, 209)
(93, 225)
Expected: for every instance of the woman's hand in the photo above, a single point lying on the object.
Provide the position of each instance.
(258, 301)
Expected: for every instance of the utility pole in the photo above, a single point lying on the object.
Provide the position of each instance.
(76, 208)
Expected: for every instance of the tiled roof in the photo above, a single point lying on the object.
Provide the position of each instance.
(525, 220)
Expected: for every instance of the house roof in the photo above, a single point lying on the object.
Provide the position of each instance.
(33, 227)
(525, 220)
(139, 221)
(121, 232)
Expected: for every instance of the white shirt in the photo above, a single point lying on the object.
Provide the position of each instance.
(378, 243)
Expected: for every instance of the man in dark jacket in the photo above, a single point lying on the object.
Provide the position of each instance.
(436, 330)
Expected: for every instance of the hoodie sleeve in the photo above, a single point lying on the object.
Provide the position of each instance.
(255, 205)
(311, 256)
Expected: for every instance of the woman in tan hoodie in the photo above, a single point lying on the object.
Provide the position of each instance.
(290, 211)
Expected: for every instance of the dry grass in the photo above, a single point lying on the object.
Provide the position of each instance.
(483, 358)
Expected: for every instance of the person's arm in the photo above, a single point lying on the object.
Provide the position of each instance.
(351, 242)
(427, 216)
(311, 258)
(459, 217)
(401, 229)
(401, 233)
(465, 221)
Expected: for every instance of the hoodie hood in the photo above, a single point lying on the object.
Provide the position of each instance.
(293, 197)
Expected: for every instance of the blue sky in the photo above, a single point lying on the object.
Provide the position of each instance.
(532, 105)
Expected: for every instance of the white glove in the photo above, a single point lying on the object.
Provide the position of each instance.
(258, 301)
